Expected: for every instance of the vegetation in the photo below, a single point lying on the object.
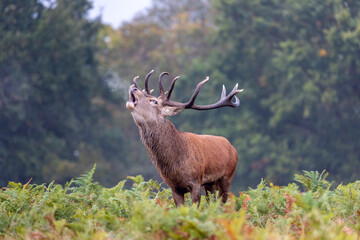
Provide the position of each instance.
(83, 209)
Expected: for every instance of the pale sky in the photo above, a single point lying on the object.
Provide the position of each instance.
(114, 12)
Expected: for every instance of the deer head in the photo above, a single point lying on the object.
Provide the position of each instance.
(145, 107)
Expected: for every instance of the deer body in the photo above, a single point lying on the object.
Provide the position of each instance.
(185, 161)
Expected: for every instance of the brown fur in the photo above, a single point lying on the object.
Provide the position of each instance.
(185, 161)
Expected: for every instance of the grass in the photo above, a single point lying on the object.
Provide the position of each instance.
(83, 209)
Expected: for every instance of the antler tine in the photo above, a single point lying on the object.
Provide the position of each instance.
(232, 94)
(223, 93)
(172, 87)
(135, 82)
(196, 92)
(146, 81)
(160, 83)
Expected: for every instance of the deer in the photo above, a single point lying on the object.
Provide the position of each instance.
(186, 161)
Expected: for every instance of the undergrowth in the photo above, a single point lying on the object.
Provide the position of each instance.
(83, 209)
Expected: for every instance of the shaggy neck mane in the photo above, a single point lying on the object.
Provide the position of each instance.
(164, 144)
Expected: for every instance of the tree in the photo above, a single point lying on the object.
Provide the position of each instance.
(48, 78)
(169, 35)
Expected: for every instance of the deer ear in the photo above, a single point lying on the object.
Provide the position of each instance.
(171, 111)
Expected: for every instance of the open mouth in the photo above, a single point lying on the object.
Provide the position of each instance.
(131, 104)
(132, 97)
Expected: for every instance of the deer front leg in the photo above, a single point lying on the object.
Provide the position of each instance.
(178, 197)
(196, 194)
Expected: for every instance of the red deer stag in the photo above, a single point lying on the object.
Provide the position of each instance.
(185, 161)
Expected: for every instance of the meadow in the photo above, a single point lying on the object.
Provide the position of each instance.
(309, 208)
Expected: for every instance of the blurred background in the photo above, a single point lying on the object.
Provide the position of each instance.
(65, 68)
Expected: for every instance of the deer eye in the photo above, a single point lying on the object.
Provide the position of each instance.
(154, 101)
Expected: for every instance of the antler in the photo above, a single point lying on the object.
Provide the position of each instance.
(225, 100)
(172, 87)
(146, 82)
(160, 83)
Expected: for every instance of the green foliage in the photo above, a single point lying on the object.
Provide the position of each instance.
(313, 180)
(83, 209)
(296, 62)
(52, 114)
(48, 79)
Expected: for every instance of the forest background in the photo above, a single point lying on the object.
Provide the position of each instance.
(64, 81)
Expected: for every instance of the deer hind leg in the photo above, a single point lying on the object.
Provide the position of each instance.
(224, 186)
(210, 188)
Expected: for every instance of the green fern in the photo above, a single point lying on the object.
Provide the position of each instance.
(313, 180)
(83, 209)
(84, 182)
